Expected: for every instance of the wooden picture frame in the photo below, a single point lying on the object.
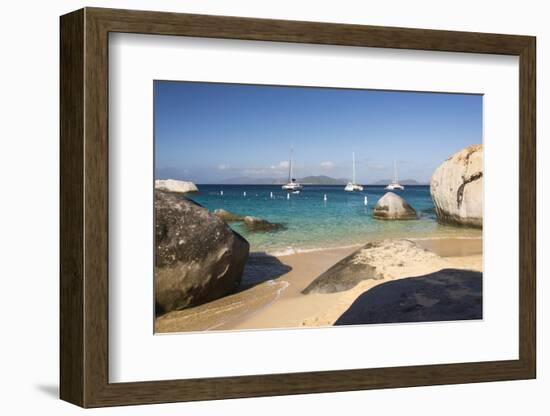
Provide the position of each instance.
(84, 207)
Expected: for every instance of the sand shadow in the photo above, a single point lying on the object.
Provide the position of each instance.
(446, 295)
(261, 267)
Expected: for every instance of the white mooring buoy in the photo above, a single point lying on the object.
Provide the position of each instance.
(287, 196)
(365, 201)
(221, 193)
(244, 193)
(271, 195)
(325, 197)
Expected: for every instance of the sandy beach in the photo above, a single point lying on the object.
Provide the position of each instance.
(274, 298)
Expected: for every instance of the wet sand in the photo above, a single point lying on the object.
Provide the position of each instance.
(279, 303)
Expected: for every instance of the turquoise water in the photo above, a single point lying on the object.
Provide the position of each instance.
(312, 223)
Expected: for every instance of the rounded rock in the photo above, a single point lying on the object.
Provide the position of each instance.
(175, 186)
(457, 188)
(392, 207)
(198, 257)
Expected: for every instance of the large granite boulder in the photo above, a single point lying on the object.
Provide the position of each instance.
(377, 260)
(445, 295)
(198, 257)
(392, 207)
(457, 188)
(174, 186)
(344, 275)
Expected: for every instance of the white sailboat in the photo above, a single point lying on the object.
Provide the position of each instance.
(395, 184)
(352, 186)
(292, 185)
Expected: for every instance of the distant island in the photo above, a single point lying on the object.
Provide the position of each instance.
(402, 182)
(322, 180)
(307, 180)
(247, 180)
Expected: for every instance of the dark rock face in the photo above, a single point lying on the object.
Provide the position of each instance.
(198, 257)
(343, 276)
(392, 207)
(446, 295)
(227, 216)
(255, 224)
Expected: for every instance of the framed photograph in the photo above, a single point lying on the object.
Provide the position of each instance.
(255, 207)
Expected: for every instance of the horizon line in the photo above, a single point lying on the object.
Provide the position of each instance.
(301, 183)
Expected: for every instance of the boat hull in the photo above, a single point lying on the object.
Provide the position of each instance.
(395, 187)
(291, 187)
(351, 187)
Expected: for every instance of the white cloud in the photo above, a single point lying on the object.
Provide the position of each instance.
(327, 165)
(223, 167)
(281, 165)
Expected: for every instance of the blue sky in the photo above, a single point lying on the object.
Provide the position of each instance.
(211, 132)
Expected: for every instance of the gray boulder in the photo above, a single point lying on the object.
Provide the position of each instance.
(344, 275)
(175, 186)
(392, 207)
(457, 188)
(255, 224)
(198, 257)
(252, 224)
(377, 260)
(227, 216)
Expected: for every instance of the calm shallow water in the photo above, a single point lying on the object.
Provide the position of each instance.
(313, 223)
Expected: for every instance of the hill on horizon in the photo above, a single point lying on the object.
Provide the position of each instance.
(307, 180)
(402, 182)
(322, 180)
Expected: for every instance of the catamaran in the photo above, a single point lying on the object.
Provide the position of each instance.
(395, 184)
(292, 185)
(352, 186)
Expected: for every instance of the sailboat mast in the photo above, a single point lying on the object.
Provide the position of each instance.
(353, 156)
(395, 171)
(290, 174)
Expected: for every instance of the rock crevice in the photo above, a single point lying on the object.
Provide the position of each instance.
(460, 192)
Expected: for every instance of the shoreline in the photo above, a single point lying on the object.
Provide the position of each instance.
(271, 303)
(289, 251)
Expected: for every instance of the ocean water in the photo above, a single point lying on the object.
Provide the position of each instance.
(312, 223)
